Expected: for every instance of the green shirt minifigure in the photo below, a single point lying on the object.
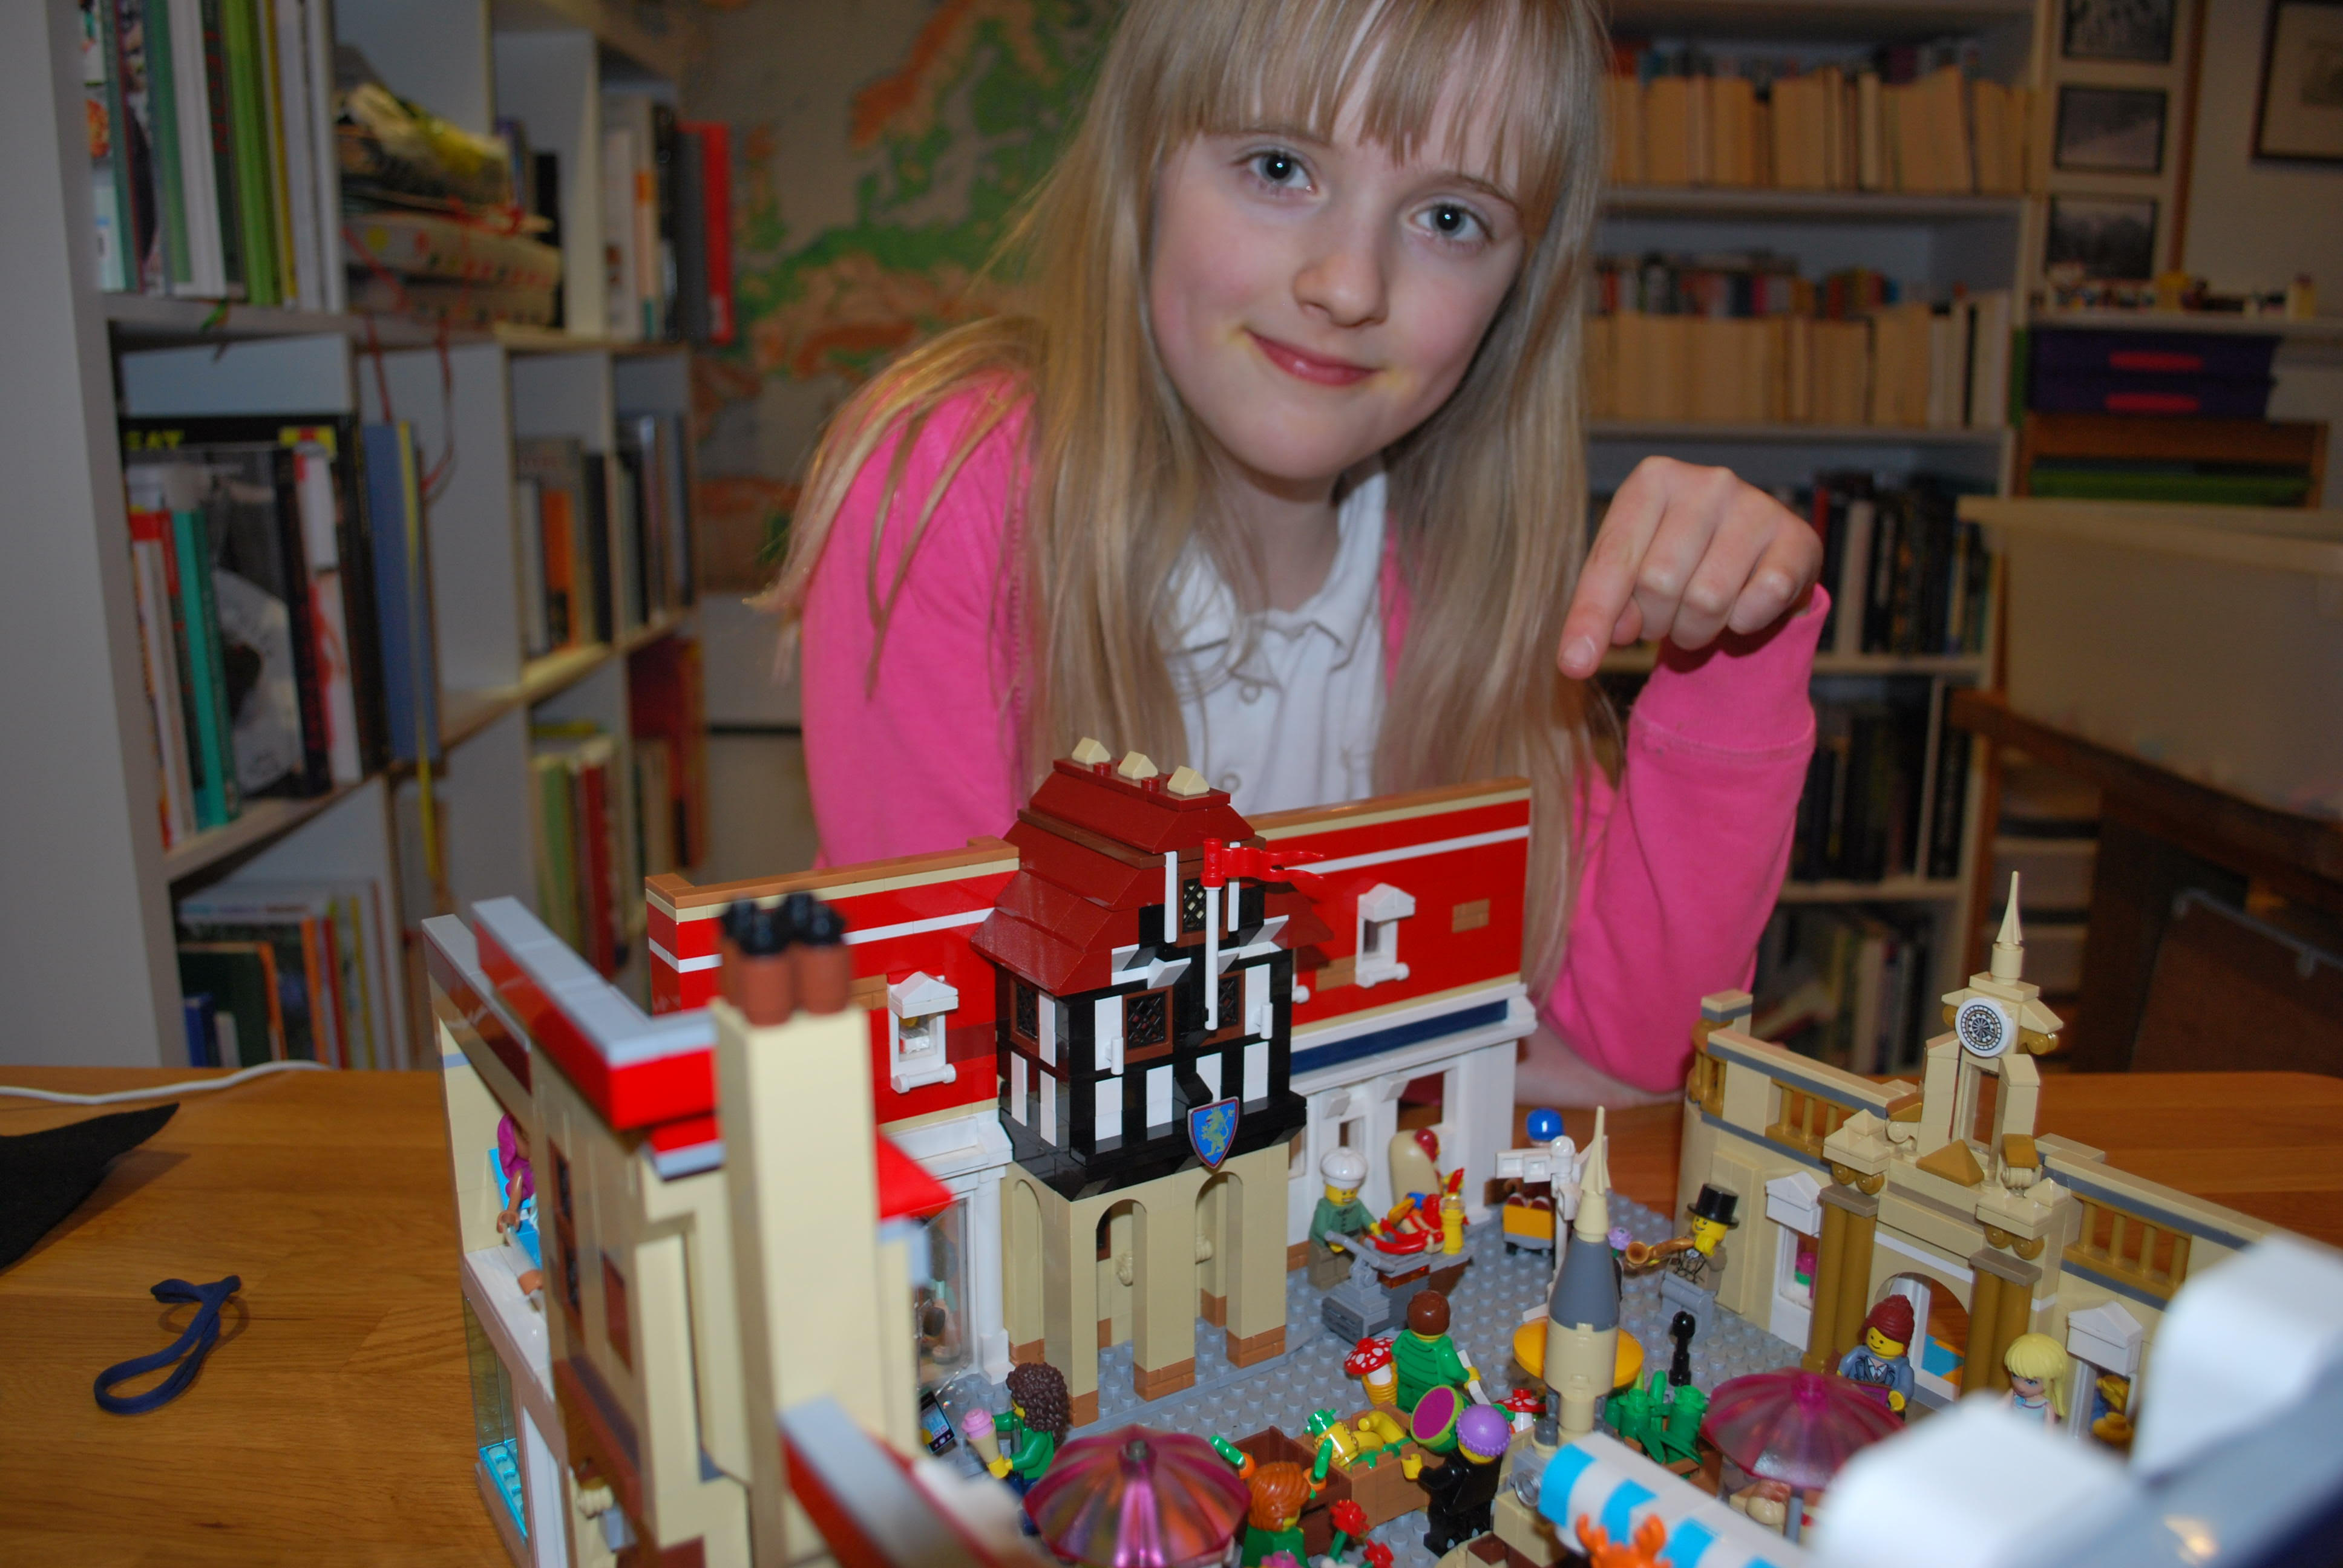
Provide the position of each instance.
(1424, 1357)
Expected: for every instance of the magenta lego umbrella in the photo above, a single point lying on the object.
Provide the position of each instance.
(1793, 1426)
(1138, 1499)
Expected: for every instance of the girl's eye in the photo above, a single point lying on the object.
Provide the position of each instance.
(1278, 168)
(1450, 221)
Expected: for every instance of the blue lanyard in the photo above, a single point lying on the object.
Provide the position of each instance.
(201, 1333)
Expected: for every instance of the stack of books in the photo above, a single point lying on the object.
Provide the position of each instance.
(272, 971)
(1740, 337)
(606, 538)
(1904, 119)
(212, 154)
(667, 222)
(1852, 987)
(283, 602)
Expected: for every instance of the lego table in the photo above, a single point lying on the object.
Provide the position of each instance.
(332, 1424)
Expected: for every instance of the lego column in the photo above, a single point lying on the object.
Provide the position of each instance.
(2000, 1309)
(1479, 1112)
(799, 1161)
(1842, 1275)
(1252, 1254)
(1163, 1284)
(1069, 1295)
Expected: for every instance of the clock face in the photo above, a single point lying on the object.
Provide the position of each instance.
(1984, 1027)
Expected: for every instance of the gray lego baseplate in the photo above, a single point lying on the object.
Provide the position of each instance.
(1485, 1308)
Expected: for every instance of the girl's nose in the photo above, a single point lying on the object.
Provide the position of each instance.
(1343, 280)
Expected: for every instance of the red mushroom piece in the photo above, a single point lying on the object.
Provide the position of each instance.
(1368, 1355)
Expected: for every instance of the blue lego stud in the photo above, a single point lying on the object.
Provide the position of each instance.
(1545, 1126)
(1211, 1129)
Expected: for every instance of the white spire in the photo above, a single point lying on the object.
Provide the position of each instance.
(1594, 1197)
(2009, 947)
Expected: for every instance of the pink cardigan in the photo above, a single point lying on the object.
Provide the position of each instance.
(1681, 861)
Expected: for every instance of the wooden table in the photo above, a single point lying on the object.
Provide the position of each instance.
(2161, 833)
(333, 1424)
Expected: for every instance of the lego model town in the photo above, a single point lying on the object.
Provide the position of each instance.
(1047, 1200)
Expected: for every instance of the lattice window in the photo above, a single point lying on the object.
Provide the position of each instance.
(1232, 1000)
(1191, 906)
(2124, 1246)
(1146, 1019)
(1807, 1119)
(1027, 1022)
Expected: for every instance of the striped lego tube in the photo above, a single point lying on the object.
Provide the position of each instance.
(1617, 1489)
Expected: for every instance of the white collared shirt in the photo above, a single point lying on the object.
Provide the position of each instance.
(1294, 722)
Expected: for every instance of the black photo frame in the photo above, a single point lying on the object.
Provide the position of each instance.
(2110, 130)
(2139, 32)
(2113, 238)
(2299, 107)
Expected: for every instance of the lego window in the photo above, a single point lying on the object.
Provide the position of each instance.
(1380, 909)
(1146, 1020)
(494, 1430)
(918, 1012)
(1026, 1013)
(1191, 906)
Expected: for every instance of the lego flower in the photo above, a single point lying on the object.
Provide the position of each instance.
(1377, 1555)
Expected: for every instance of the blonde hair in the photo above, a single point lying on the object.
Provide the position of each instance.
(1486, 499)
(2043, 1360)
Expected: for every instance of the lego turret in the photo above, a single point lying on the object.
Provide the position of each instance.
(1999, 1008)
(1582, 1323)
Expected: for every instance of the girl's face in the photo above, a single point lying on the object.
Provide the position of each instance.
(1313, 301)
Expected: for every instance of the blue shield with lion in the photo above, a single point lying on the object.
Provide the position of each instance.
(1212, 1132)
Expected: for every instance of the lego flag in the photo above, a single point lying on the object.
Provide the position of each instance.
(1225, 863)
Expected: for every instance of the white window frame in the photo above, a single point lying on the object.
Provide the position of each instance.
(917, 1008)
(1380, 909)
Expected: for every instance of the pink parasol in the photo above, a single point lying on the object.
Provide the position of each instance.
(1138, 1499)
(1793, 1426)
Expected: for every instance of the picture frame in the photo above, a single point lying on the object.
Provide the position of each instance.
(2110, 130)
(2112, 239)
(2139, 31)
(2298, 111)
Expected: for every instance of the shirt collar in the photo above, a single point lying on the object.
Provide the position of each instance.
(1341, 608)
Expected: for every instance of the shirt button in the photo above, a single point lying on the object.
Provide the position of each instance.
(1249, 692)
(1228, 782)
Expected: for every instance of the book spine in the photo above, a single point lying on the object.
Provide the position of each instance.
(153, 21)
(386, 508)
(294, 190)
(422, 644)
(300, 609)
(218, 800)
(318, 36)
(716, 196)
(241, 54)
(112, 232)
(219, 132)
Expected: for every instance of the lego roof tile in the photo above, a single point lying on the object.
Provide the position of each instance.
(1084, 872)
(1148, 820)
(1044, 903)
(1040, 957)
(905, 1187)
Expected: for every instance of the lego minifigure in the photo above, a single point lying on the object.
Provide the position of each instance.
(1698, 1256)
(1425, 1357)
(2038, 1366)
(1280, 1491)
(1415, 1157)
(520, 1186)
(1463, 1488)
(1339, 1214)
(1039, 1414)
(1879, 1361)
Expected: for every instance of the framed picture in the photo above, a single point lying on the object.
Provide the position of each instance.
(2300, 114)
(2134, 30)
(2110, 237)
(2110, 130)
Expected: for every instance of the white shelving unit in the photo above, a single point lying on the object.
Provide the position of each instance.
(89, 963)
(1928, 242)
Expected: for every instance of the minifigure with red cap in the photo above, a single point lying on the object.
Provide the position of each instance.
(1881, 1360)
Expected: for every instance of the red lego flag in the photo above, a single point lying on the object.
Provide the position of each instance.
(1225, 863)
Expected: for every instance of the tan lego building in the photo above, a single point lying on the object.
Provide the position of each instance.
(1853, 1190)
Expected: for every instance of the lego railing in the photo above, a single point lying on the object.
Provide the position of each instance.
(2136, 1234)
(1804, 1101)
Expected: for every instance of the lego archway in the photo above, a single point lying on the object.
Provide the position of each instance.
(1940, 1334)
(1021, 1271)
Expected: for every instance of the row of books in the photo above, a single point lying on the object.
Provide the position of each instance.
(1915, 364)
(1853, 988)
(280, 574)
(1907, 575)
(1684, 118)
(213, 163)
(276, 971)
(667, 222)
(605, 537)
(1880, 800)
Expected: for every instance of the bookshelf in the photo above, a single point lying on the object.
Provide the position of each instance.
(1932, 243)
(90, 963)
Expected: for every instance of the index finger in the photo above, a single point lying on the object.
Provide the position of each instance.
(1606, 583)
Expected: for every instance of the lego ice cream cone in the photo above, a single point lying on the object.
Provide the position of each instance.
(977, 1427)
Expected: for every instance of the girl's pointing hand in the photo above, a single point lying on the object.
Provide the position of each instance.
(1685, 553)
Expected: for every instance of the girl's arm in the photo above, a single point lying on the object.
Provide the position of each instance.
(925, 755)
(1681, 864)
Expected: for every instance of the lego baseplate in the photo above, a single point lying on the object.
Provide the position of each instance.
(1485, 1308)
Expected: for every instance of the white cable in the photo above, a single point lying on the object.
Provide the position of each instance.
(192, 1086)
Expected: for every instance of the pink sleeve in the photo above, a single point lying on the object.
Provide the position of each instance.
(921, 753)
(1681, 863)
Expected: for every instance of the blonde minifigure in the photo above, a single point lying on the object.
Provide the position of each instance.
(2038, 1366)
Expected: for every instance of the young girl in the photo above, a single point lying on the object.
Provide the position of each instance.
(1279, 473)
